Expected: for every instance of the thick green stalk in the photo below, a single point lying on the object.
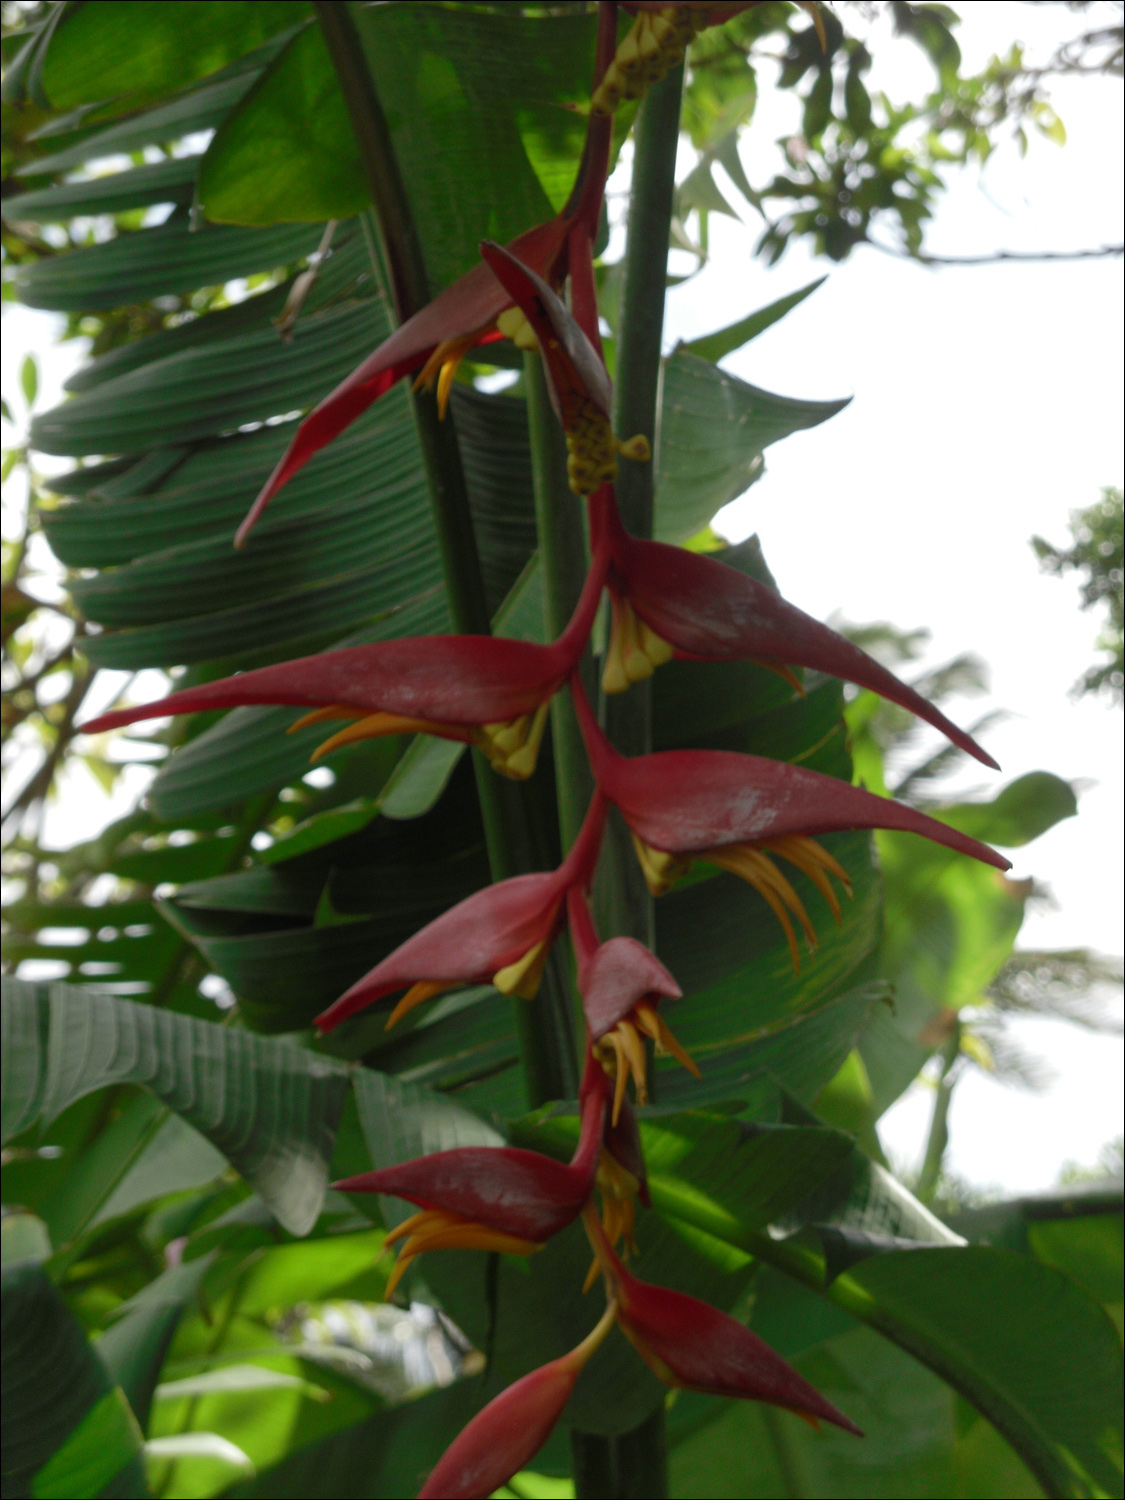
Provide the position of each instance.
(641, 328)
(563, 561)
(623, 903)
(636, 1461)
(514, 843)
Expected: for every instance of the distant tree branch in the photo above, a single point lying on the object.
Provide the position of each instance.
(1100, 252)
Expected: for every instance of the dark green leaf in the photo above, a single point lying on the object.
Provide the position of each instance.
(149, 47)
(67, 1429)
(154, 262)
(252, 174)
(171, 181)
(1030, 1350)
(269, 1106)
(713, 430)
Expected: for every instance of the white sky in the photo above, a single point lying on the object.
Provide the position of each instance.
(987, 405)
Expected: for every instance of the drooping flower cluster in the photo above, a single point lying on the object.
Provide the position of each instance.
(741, 813)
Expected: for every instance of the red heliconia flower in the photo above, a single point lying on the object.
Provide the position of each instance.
(576, 375)
(669, 602)
(736, 811)
(484, 690)
(475, 310)
(621, 984)
(689, 1344)
(657, 41)
(492, 1197)
(509, 1432)
(501, 935)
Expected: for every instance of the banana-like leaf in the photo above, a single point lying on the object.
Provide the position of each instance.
(712, 432)
(202, 108)
(171, 181)
(155, 262)
(269, 1106)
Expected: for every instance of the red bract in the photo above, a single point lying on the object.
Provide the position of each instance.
(464, 315)
(501, 935)
(484, 690)
(576, 377)
(735, 811)
(687, 1343)
(519, 1192)
(667, 600)
(511, 1429)
(491, 1197)
(621, 984)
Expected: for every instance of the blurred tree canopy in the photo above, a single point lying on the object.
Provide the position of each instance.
(1097, 555)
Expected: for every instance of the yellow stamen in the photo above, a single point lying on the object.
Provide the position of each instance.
(442, 367)
(417, 994)
(661, 870)
(619, 1189)
(635, 650)
(814, 862)
(655, 43)
(814, 10)
(512, 747)
(513, 325)
(522, 978)
(437, 1229)
(757, 869)
(785, 673)
(325, 716)
(375, 726)
(637, 448)
(649, 1020)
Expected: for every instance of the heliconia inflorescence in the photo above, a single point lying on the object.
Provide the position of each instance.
(744, 814)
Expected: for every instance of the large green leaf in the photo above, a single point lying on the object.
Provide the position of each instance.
(481, 109)
(712, 432)
(153, 262)
(269, 1106)
(134, 1346)
(1034, 1353)
(145, 48)
(919, 1439)
(171, 181)
(68, 1430)
(81, 137)
(950, 924)
(287, 151)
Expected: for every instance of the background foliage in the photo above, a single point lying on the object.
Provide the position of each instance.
(190, 197)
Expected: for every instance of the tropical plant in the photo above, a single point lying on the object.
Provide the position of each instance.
(424, 577)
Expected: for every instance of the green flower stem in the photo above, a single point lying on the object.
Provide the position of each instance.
(515, 843)
(637, 369)
(563, 561)
(636, 1463)
(622, 901)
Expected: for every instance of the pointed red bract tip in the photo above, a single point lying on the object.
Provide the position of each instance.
(444, 679)
(518, 1192)
(504, 1437)
(705, 1350)
(468, 944)
(470, 306)
(507, 1434)
(713, 612)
